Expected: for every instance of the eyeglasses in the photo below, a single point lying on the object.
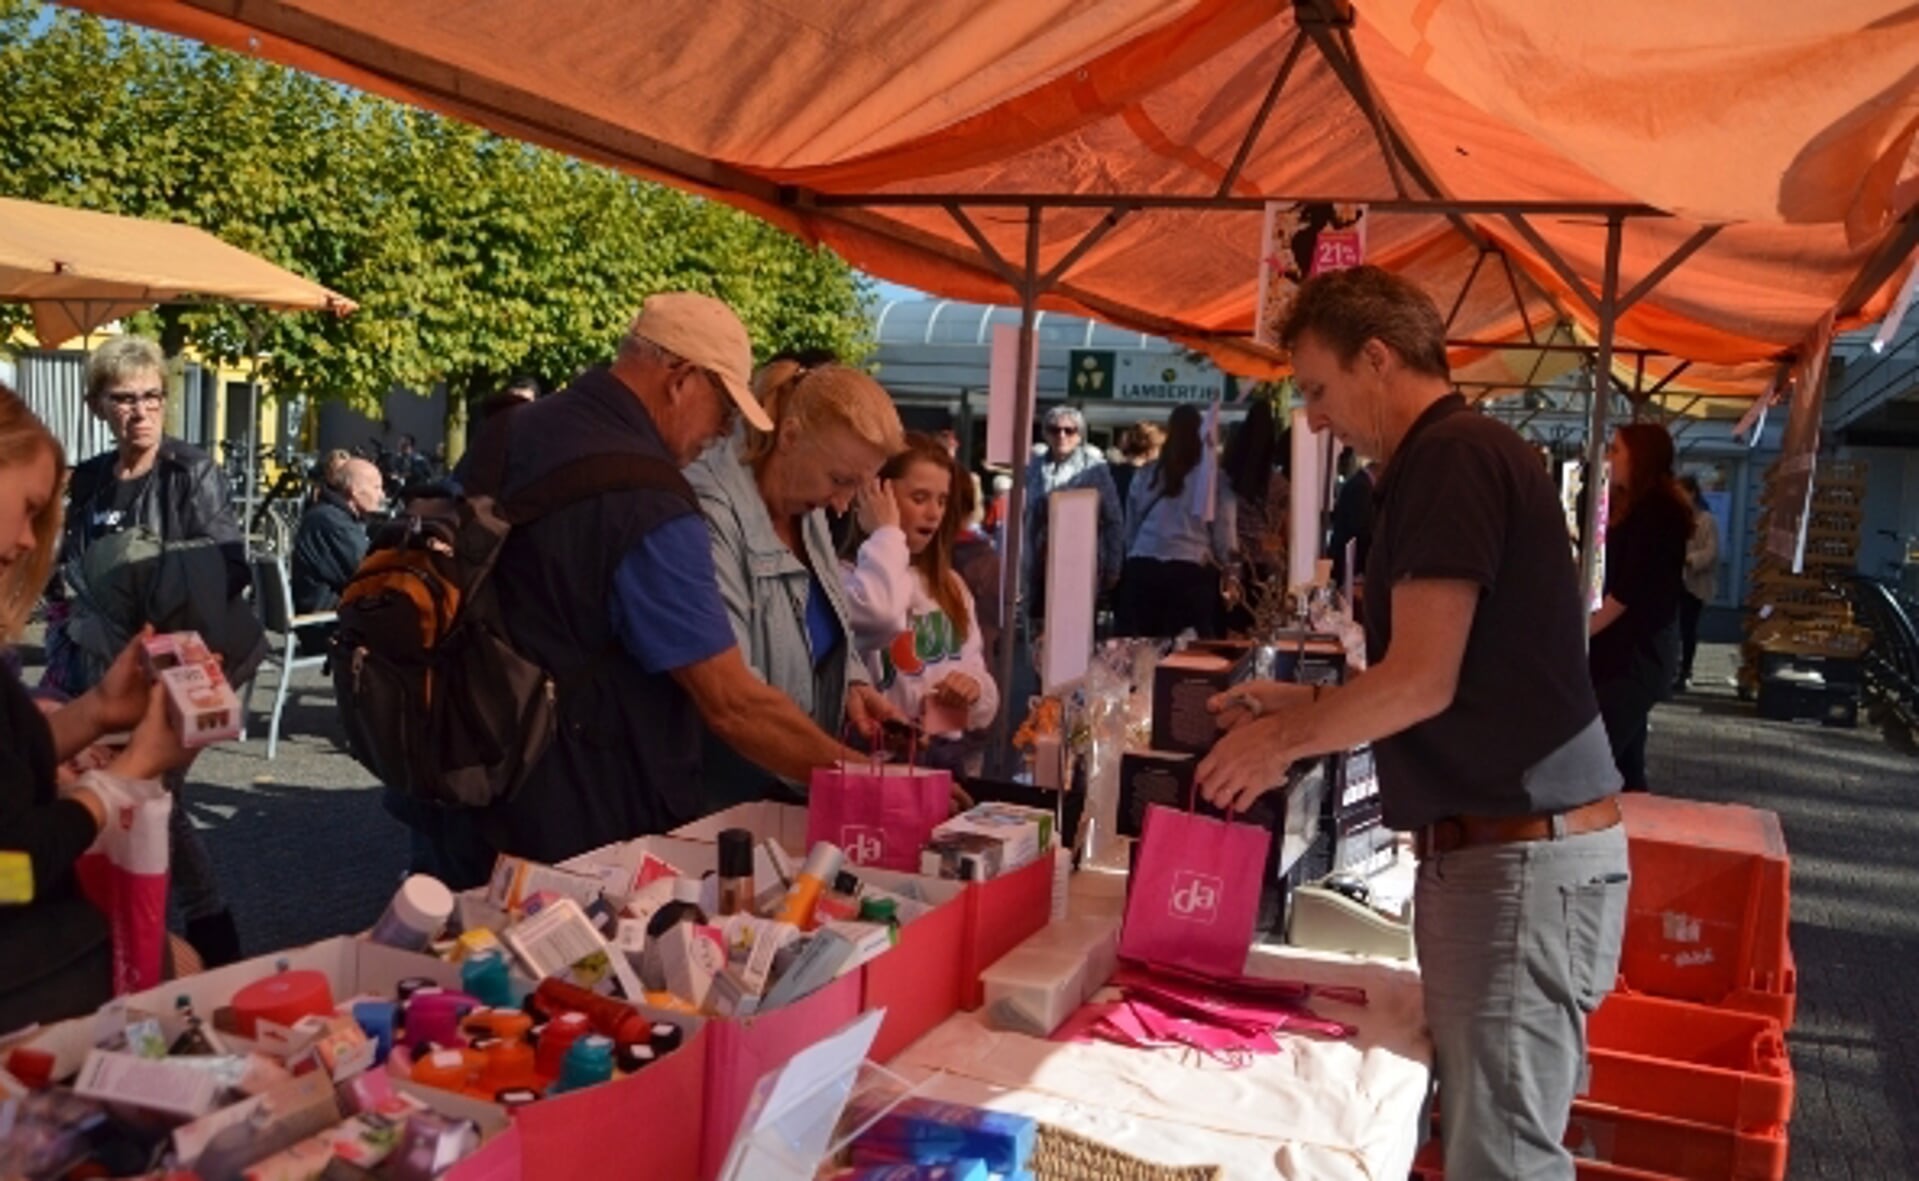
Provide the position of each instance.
(146, 399)
(1063, 431)
(731, 411)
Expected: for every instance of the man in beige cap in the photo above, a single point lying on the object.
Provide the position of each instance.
(616, 596)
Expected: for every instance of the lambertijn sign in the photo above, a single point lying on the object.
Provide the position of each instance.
(1148, 377)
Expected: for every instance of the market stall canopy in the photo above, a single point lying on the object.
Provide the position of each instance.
(81, 269)
(916, 137)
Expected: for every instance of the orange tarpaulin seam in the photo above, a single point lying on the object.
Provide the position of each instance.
(1791, 123)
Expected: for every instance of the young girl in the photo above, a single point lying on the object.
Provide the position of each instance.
(913, 619)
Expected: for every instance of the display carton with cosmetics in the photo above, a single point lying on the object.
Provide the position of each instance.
(268, 1069)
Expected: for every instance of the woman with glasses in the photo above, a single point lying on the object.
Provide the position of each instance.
(765, 495)
(152, 502)
(1069, 463)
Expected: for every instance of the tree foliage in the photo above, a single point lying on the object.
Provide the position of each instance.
(473, 258)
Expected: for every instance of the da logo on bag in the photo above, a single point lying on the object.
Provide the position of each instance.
(862, 844)
(1196, 897)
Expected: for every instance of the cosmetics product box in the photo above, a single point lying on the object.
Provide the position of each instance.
(201, 704)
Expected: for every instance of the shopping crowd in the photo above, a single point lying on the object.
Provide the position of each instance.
(800, 575)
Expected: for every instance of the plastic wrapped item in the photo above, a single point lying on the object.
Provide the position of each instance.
(47, 1133)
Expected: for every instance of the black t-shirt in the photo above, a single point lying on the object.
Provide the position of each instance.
(113, 508)
(1645, 571)
(1464, 498)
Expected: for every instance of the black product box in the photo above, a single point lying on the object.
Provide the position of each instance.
(1361, 842)
(1166, 778)
(1355, 782)
(1182, 685)
(1319, 660)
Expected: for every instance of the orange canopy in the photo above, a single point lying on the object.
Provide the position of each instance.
(1790, 124)
(80, 269)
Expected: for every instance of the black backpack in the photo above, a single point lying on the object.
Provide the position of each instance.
(436, 700)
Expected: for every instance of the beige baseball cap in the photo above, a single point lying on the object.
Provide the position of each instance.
(703, 331)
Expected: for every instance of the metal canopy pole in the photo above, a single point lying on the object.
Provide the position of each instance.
(1010, 584)
(253, 436)
(1601, 398)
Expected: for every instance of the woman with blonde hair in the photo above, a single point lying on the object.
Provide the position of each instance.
(150, 539)
(55, 957)
(765, 496)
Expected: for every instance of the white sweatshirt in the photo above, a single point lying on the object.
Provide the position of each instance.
(908, 643)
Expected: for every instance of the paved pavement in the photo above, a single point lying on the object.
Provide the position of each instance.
(1846, 802)
(305, 851)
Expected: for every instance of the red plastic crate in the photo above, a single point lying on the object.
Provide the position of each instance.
(1676, 1148)
(1689, 1062)
(1708, 913)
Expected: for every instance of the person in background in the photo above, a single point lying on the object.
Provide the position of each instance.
(977, 560)
(1485, 731)
(765, 493)
(332, 539)
(993, 521)
(1139, 445)
(1634, 653)
(56, 957)
(617, 597)
(914, 621)
(405, 466)
(1068, 463)
(517, 393)
(1174, 555)
(1353, 519)
(152, 501)
(1254, 466)
(1702, 575)
(325, 473)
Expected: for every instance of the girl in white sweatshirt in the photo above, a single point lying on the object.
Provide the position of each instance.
(912, 618)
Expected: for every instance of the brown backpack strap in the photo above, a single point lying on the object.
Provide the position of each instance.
(596, 475)
(486, 466)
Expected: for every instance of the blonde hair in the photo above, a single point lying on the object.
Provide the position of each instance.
(23, 439)
(119, 358)
(830, 395)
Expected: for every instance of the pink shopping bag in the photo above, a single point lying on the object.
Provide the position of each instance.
(125, 875)
(1194, 894)
(879, 814)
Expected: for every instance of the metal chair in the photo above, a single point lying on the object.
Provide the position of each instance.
(273, 595)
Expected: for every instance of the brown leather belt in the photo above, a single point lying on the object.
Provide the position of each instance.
(1464, 832)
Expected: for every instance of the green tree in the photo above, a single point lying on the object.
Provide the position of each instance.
(473, 258)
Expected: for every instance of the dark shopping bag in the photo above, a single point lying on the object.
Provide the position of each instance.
(1194, 895)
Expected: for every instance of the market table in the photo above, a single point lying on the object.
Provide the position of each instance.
(1321, 1110)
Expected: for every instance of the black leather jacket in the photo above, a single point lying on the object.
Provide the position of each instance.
(187, 502)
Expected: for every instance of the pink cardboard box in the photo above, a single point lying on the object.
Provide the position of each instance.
(1001, 915)
(738, 1052)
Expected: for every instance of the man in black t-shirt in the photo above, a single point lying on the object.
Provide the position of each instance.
(1487, 735)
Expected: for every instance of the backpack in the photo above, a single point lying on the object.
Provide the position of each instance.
(436, 700)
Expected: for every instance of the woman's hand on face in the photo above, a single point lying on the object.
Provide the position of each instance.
(155, 747)
(877, 508)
